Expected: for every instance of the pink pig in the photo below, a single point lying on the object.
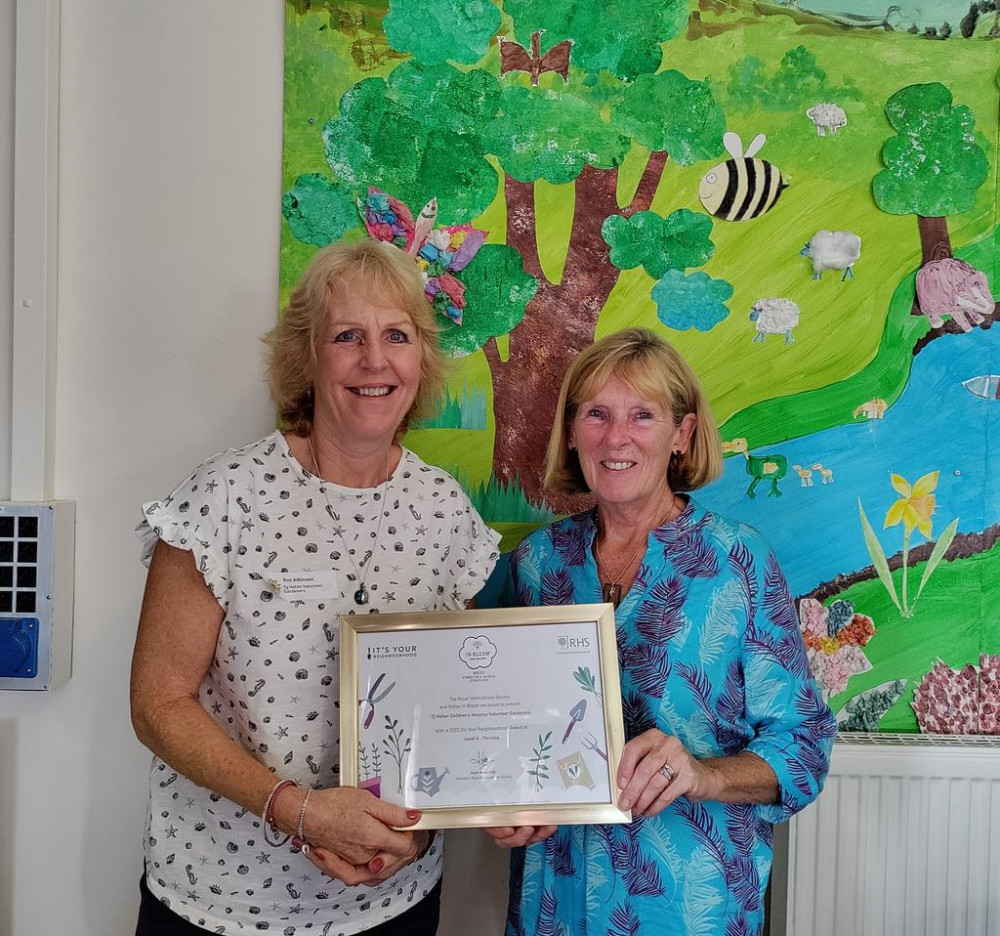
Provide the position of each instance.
(952, 287)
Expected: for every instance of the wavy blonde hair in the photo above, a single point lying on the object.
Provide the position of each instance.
(382, 273)
(654, 370)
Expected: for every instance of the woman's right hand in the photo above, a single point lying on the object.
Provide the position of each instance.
(516, 836)
(345, 828)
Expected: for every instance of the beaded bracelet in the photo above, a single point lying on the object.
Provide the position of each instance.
(299, 832)
(268, 814)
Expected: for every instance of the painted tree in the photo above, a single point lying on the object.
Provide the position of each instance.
(796, 81)
(430, 129)
(933, 165)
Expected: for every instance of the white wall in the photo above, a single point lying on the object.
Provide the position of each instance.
(6, 232)
(7, 725)
(168, 249)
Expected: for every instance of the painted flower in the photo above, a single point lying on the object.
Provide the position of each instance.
(836, 673)
(840, 614)
(817, 666)
(814, 617)
(945, 701)
(854, 659)
(989, 694)
(915, 505)
(858, 632)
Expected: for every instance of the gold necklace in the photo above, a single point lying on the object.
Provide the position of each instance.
(361, 596)
(611, 590)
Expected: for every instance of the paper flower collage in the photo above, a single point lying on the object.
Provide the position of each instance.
(834, 637)
(439, 252)
(960, 701)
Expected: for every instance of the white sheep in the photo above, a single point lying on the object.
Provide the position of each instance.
(827, 117)
(832, 250)
(774, 317)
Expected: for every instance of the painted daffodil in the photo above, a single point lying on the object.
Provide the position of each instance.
(915, 505)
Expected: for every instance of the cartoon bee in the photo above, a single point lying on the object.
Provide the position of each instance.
(741, 187)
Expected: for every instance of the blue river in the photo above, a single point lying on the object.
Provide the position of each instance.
(927, 13)
(936, 425)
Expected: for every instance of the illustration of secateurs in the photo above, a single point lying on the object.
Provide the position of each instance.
(373, 697)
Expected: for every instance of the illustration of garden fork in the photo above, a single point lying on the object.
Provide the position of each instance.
(590, 743)
(372, 698)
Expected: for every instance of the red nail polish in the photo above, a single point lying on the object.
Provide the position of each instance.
(376, 865)
(412, 815)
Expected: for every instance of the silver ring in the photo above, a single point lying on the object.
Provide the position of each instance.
(667, 772)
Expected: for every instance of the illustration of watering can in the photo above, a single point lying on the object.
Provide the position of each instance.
(372, 698)
(428, 780)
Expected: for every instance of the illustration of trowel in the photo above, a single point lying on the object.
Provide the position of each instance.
(575, 715)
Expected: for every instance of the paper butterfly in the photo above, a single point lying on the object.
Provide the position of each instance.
(515, 57)
(438, 251)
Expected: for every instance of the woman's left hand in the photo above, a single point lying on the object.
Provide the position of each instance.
(655, 770)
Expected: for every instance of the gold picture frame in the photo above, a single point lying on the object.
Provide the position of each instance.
(480, 731)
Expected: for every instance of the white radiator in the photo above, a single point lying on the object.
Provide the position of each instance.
(903, 841)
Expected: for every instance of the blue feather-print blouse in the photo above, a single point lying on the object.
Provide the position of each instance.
(709, 651)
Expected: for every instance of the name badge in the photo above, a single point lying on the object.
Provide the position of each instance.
(305, 586)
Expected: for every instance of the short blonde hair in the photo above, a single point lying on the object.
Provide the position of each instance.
(654, 370)
(384, 274)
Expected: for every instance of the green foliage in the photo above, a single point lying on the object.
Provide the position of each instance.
(937, 554)
(416, 135)
(585, 678)
(622, 36)
(933, 166)
(671, 112)
(497, 290)
(505, 503)
(695, 301)
(879, 561)
(435, 32)
(465, 411)
(318, 210)
(865, 710)
(797, 82)
(659, 244)
(540, 770)
(550, 135)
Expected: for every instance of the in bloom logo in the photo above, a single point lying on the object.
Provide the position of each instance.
(477, 652)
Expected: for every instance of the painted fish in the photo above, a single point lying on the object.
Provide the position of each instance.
(986, 386)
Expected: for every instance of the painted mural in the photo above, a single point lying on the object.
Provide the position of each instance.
(801, 196)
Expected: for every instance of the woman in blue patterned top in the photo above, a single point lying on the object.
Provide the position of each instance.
(726, 733)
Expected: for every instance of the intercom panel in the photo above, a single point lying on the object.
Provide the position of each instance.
(36, 593)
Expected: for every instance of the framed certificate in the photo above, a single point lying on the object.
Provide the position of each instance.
(479, 718)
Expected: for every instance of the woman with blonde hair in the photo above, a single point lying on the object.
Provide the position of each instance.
(235, 682)
(725, 731)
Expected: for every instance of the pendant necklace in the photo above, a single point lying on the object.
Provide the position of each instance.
(611, 590)
(361, 596)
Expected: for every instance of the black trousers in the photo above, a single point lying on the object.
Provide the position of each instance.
(157, 920)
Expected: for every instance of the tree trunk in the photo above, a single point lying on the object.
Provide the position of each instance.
(557, 325)
(935, 244)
